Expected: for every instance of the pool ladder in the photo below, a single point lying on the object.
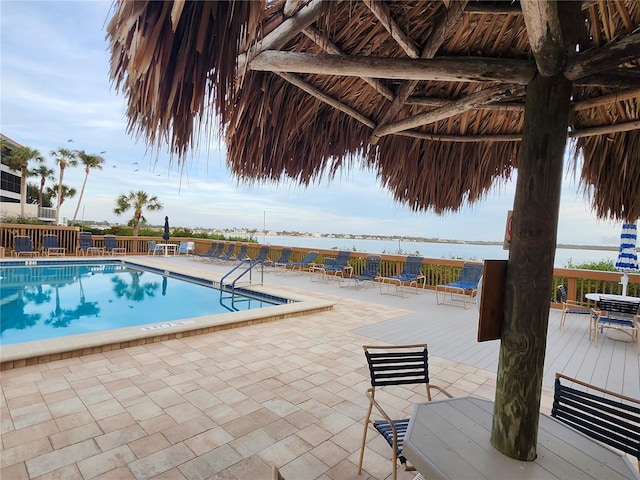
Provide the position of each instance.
(229, 288)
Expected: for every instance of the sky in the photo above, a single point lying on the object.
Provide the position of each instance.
(55, 92)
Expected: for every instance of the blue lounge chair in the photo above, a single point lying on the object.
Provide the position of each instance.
(111, 246)
(304, 263)
(50, 246)
(369, 274)
(241, 255)
(86, 247)
(214, 250)
(262, 255)
(283, 260)
(22, 246)
(462, 290)
(332, 268)
(409, 277)
(228, 254)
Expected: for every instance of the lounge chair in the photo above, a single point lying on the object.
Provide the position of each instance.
(228, 254)
(332, 268)
(283, 260)
(409, 277)
(50, 246)
(394, 366)
(304, 263)
(368, 275)
(86, 247)
(462, 290)
(215, 249)
(111, 246)
(242, 253)
(262, 255)
(186, 248)
(570, 307)
(22, 246)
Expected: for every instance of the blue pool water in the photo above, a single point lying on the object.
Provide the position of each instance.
(56, 299)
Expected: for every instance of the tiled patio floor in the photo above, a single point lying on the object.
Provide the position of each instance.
(225, 405)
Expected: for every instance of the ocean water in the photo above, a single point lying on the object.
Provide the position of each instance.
(462, 251)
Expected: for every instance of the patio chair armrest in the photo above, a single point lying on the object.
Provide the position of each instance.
(372, 400)
(438, 388)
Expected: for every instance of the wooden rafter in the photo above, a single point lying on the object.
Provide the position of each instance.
(320, 95)
(545, 37)
(606, 99)
(600, 60)
(447, 69)
(328, 46)
(284, 32)
(605, 129)
(441, 102)
(433, 44)
(382, 14)
(454, 107)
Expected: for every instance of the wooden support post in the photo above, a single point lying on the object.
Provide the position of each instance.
(530, 268)
(533, 244)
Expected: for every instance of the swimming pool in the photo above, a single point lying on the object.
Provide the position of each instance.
(44, 300)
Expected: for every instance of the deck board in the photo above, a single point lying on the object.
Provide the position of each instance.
(451, 334)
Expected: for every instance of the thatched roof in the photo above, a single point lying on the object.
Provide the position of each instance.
(430, 94)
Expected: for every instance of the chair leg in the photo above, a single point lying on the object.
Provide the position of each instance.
(364, 438)
(563, 318)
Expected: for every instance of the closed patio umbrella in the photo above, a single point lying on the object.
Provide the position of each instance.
(628, 257)
(165, 235)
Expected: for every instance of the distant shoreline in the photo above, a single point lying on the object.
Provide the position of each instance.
(613, 248)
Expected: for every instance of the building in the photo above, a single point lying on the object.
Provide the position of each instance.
(10, 189)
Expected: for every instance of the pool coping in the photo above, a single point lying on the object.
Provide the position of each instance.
(42, 351)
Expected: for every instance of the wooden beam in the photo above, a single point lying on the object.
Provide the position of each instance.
(328, 46)
(545, 38)
(455, 107)
(435, 41)
(603, 59)
(606, 99)
(291, 7)
(320, 95)
(284, 32)
(493, 8)
(443, 69)
(441, 102)
(605, 129)
(384, 16)
(515, 137)
(621, 78)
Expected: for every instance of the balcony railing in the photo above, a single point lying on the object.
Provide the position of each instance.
(437, 270)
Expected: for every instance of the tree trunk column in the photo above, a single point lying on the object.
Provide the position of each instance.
(530, 268)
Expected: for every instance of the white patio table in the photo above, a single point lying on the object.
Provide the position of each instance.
(167, 247)
(607, 296)
(450, 439)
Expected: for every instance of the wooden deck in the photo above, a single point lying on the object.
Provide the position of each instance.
(451, 334)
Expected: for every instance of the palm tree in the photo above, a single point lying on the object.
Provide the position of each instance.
(45, 173)
(19, 159)
(64, 158)
(66, 192)
(138, 201)
(89, 162)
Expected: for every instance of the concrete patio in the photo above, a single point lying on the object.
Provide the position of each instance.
(230, 404)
